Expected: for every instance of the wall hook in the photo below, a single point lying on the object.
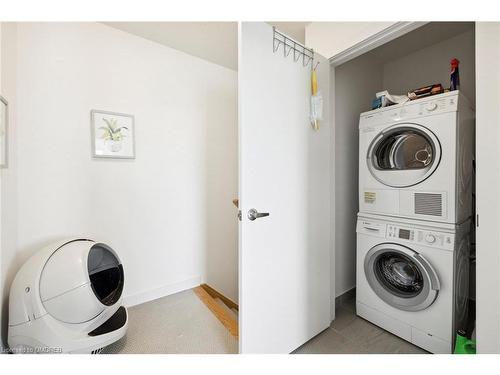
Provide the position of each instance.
(290, 44)
(276, 44)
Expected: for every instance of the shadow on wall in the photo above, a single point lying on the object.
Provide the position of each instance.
(220, 141)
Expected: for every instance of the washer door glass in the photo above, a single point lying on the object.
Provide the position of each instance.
(399, 274)
(401, 277)
(404, 155)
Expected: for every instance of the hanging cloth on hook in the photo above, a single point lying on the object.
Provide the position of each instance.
(316, 112)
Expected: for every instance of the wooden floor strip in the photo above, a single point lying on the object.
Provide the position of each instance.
(223, 316)
(222, 297)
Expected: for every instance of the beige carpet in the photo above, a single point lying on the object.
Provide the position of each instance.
(176, 324)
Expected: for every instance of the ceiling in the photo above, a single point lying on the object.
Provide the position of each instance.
(213, 41)
(423, 37)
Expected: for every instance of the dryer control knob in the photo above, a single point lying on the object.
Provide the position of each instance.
(430, 238)
(431, 106)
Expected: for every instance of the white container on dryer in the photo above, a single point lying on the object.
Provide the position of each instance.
(413, 278)
(416, 159)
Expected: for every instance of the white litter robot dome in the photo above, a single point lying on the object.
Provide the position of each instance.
(67, 298)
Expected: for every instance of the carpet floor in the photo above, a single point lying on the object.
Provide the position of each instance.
(176, 324)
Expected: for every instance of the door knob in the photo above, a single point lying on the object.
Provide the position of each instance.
(254, 214)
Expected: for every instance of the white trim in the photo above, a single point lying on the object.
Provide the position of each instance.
(348, 289)
(5, 151)
(163, 291)
(390, 33)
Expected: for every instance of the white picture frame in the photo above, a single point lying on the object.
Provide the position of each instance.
(4, 132)
(113, 135)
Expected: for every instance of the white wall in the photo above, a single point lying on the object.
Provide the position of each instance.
(168, 213)
(8, 197)
(487, 186)
(331, 38)
(356, 83)
(432, 65)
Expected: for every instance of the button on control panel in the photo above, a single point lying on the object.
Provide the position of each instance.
(431, 106)
(420, 236)
(430, 238)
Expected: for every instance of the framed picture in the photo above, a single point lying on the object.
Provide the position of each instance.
(112, 135)
(4, 125)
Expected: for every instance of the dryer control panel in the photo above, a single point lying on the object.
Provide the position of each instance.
(442, 103)
(423, 237)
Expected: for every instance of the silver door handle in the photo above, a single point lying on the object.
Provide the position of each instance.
(254, 214)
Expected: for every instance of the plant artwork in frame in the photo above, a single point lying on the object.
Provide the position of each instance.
(4, 119)
(113, 135)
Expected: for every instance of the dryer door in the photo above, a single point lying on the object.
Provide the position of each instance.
(404, 155)
(401, 277)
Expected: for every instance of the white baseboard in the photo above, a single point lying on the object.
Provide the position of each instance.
(349, 288)
(150, 295)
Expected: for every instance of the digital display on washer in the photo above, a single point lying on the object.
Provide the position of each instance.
(404, 234)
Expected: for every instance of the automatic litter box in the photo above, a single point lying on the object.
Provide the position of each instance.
(67, 298)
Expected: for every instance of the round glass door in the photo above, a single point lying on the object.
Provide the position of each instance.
(404, 155)
(399, 274)
(401, 277)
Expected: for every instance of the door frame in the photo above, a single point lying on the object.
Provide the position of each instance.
(487, 40)
(376, 40)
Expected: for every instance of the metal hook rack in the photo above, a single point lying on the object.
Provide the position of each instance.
(289, 45)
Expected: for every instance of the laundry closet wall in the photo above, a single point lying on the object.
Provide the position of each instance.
(432, 65)
(168, 213)
(356, 81)
(397, 66)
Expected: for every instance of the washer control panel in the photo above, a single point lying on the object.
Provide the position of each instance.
(428, 238)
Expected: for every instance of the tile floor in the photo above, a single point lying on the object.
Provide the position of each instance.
(350, 334)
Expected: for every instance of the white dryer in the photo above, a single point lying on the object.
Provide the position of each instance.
(413, 279)
(416, 159)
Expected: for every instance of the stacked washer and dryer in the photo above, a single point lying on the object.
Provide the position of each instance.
(414, 225)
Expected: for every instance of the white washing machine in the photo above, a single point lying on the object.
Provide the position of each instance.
(416, 159)
(413, 279)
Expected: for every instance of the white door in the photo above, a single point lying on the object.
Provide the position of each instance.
(284, 171)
